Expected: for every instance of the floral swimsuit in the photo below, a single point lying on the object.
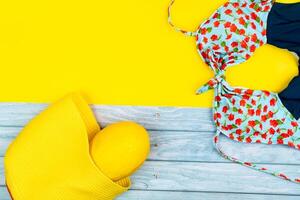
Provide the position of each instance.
(229, 37)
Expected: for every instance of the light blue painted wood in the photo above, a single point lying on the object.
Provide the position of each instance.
(182, 163)
(169, 195)
(154, 118)
(206, 177)
(195, 146)
(164, 195)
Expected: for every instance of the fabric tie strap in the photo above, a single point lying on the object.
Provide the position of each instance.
(213, 82)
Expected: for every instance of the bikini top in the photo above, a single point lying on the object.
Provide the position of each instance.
(229, 37)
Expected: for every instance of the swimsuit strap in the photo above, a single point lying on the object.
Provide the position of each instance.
(188, 33)
(216, 139)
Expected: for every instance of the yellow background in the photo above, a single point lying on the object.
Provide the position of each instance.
(117, 52)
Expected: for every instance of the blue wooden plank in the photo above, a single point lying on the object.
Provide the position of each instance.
(154, 118)
(163, 195)
(208, 177)
(195, 146)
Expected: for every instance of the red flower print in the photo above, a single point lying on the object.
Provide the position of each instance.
(229, 37)
(228, 12)
(233, 28)
(217, 116)
(258, 112)
(226, 48)
(253, 102)
(254, 37)
(239, 131)
(247, 163)
(238, 122)
(290, 132)
(264, 118)
(264, 32)
(216, 24)
(244, 44)
(214, 37)
(252, 48)
(239, 11)
(283, 176)
(242, 31)
(250, 112)
(242, 102)
(256, 133)
(297, 180)
(247, 56)
(229, 127)
(216, 47)
(203, 31)
(253, 26)
(244, 5)
(272, 102)
(240, 138)
(248, 140)
(216, 15)
(235, 4)
(265, 108)
(284, 135)
(227, 24)
(270, 142)
(234, 44)
(274, 123)
(216, 139)
(249, 92)
(231, 136)
(231, 117)
(279, 141)
(266, 8)
(253, 16)
(264, 136)
(294, 124)
(258, 141)
(200, 46)
(267, 93)
(261, 43)
(252, 5)
(251, 123)
(272, 131)
(298, 146)
(247, 17)
(247, 97)
(291, 144)
(218, 98)
(240, 111)
(211, 83)
(205, 40)
(232, 101)
(225, 109)
(242, 21)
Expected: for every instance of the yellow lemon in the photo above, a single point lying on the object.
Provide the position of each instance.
(120, 149)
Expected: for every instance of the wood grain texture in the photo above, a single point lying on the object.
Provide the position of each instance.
(154, 118)
(183, 163)
(194, 146)
(207, 177)
(165, 195)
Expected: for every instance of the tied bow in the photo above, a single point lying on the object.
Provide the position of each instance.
(213, 82)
